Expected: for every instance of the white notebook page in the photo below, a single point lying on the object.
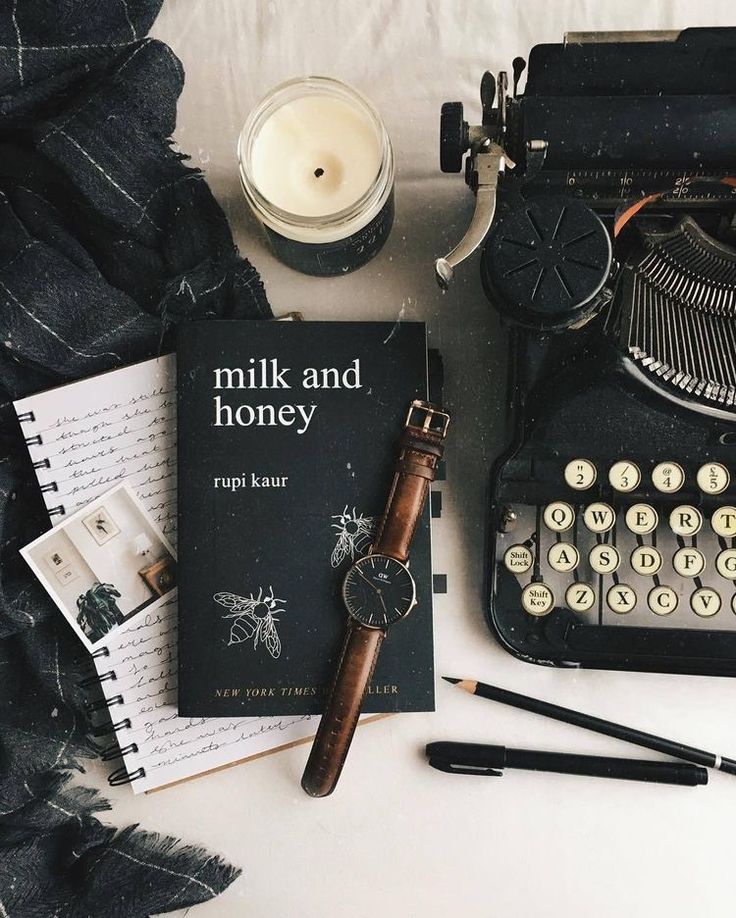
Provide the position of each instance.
(84, 438)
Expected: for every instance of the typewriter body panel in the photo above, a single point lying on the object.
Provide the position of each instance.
(609, 253)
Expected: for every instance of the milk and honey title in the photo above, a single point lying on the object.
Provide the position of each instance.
(264, 373)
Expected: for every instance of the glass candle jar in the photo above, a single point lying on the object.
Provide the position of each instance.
(317, 169)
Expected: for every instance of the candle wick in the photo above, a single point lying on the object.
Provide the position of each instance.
(318, 173)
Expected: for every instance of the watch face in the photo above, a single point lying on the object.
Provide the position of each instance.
(378, 590)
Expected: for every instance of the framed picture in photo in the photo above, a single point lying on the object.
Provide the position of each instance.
(57, 560)
(67, 574)
(101, 525)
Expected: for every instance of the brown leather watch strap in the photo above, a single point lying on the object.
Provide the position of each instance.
(421, 450)
(336, 729)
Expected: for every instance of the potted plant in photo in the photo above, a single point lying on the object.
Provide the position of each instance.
(98, 610)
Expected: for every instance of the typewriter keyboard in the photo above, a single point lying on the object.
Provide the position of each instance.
(628, 544)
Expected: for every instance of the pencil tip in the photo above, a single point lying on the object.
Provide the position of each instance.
(467, 685)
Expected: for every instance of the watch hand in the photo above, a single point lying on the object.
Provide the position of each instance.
(372, 585)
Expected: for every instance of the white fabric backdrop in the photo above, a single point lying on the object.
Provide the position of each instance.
(398, 839)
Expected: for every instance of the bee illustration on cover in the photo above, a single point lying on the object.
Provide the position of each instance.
(354, 535)
(254, 618)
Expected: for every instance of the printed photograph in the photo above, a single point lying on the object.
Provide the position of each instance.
(104, 564)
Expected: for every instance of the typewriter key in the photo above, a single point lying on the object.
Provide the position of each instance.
(705, 602)
(563, 557)
(726, 563)
(558, 516)
(662, 600)
(688, 562)
(621, 599)
(599, 517)
(723, 522)
(537, 599)
(518, 559)
(686, 521)
(646, 560)
(604, 559)
(580, 597)
(668, 477)
(713, 478)
(580, 474)
(624, 476)
(641, 519)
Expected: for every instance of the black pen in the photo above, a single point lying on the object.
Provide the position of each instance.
(597, 725)
(481, 759)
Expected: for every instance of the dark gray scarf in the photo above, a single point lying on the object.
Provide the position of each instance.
(107, 240)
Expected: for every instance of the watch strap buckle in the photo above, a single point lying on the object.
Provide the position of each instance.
(428, 418)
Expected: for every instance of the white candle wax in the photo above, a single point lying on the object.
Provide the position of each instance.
(315, 156)
(317, 169)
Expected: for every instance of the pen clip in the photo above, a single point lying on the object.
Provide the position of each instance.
(451, 768)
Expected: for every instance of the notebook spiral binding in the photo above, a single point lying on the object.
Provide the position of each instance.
(121, 776)
(28, 417)
(98, 679)
(93, 706)
(114, 751)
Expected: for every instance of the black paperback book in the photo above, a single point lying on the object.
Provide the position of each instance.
(288, 438)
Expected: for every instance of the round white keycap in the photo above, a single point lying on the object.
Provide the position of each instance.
(705, 602)
(646, 560)
(686, 520)
(624, 476)
(641, 519)
(713, 478)
(537, 599)
(726, 563)
(580, 597)
(621, 598)
(723, 522)
(604, 559)
(733, 603)
(563, 557)
(668, 477)
(559, 516)
(688, 562)
(518, 559)
(599, 517)
(662, 600)
(580, 474)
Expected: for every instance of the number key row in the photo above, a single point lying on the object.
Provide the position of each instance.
(667, 477)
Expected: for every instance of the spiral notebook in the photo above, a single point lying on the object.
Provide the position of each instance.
(84, 438)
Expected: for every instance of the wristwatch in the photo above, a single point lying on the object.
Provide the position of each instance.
(378, 591)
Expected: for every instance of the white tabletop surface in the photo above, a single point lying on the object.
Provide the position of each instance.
(397, 838)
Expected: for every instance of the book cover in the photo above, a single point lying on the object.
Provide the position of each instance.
(288, 438)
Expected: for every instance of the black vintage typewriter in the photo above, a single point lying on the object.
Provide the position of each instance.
(606, 213)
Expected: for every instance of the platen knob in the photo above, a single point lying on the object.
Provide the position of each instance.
(545, 263)
(453, 137)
